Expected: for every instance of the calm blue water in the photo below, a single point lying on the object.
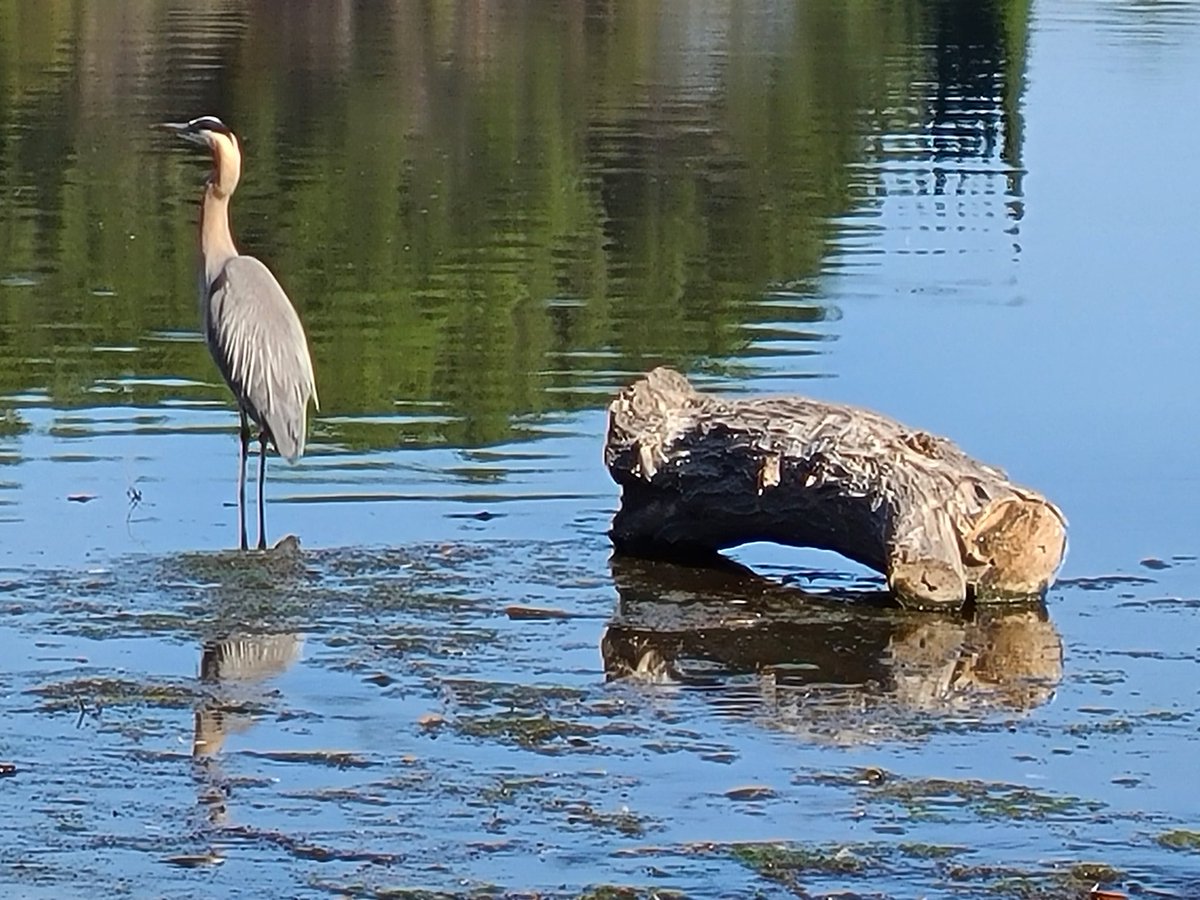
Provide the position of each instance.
(1040, 309)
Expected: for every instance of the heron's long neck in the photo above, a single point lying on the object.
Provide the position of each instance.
(216, 241)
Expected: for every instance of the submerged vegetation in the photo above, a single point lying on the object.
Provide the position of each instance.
(784, 862)
(795, 865)
(472, 764)
(1180, 839)
(932, 797)
(11, 423)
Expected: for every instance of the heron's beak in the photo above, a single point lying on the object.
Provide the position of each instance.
(183, 130)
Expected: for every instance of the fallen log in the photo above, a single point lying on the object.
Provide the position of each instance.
(700, 474)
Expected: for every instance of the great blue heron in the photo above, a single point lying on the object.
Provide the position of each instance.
(250, 326)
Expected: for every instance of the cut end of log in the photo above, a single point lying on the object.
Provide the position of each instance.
(1019, 543)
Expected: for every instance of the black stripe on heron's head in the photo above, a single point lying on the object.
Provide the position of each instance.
(209, 123)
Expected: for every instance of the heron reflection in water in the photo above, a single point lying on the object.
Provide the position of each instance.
(232, 669)
(250, 325)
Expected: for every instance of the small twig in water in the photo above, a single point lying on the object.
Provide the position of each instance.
(135, 498)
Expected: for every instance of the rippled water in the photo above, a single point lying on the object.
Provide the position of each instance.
(978, 218)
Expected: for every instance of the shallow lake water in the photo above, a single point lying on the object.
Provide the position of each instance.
(977, 218)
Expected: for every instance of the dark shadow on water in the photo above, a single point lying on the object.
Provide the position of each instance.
(836, 660)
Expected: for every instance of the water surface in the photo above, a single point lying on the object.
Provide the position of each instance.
(977, 218)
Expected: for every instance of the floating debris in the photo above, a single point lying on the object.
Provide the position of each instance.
(196, 861)
(1154, 563)
(751, 792)
(533, 612)
(431, 720)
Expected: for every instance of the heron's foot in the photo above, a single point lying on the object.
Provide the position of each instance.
(288, 545)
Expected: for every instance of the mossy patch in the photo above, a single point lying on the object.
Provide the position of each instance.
(611, 892)
(11, 423)
(783, 862)
(100, 693)
(929, 851)
(622, 892)
(1066, 881)
(542, 733)
(621, 821)
(930, 797)
(1179, 839)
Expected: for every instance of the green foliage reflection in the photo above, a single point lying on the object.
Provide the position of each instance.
(490, 210)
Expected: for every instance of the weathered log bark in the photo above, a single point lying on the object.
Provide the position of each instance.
(700, 474)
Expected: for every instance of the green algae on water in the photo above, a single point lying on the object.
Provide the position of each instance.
(1180, 839)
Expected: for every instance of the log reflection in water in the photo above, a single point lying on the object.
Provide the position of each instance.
(842, 665)
(234, 667)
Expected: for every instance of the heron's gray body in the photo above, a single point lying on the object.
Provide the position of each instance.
(250, 325)
(258, 343)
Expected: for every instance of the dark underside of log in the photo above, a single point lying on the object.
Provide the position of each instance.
(700, 474)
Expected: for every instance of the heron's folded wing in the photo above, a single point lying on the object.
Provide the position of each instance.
(259, 344)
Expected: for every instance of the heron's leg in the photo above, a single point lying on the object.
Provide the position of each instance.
(245, 436)
(262, 476)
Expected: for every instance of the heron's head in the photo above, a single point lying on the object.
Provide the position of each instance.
(211, 132)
